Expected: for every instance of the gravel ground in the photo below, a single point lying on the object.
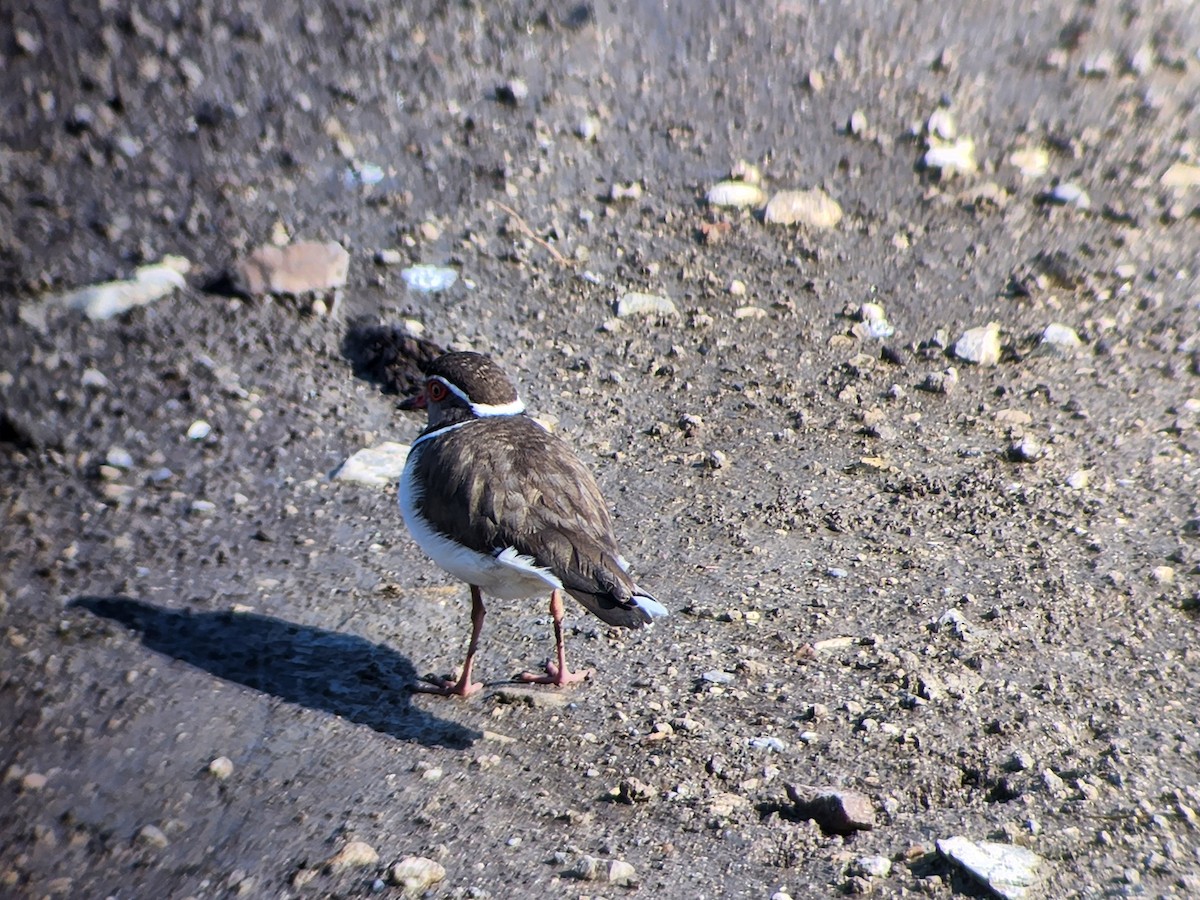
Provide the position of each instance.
(969, 597)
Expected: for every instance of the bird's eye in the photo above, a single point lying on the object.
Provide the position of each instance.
(437, 391)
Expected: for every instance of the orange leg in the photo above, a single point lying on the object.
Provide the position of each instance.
(557, 674)
(463, 687)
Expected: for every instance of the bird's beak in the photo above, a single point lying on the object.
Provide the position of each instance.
(416, 401)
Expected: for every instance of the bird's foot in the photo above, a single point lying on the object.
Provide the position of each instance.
(556, 676)
(447, 687)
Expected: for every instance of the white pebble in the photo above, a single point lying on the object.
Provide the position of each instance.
(429, 279)
(199, 430)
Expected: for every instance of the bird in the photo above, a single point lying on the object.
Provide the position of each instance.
(502, 504)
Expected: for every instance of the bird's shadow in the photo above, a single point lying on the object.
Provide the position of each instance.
(343, 674)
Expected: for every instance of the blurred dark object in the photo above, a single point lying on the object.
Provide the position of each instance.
(388, 355)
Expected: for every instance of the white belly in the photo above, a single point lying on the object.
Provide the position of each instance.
(507, 575)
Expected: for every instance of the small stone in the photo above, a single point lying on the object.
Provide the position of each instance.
(513, 92)
(1099, 64)
(1181, 176)
(1078, 480)
(737, 288)
(1005, 869)
(1026, 450)
(1061, 340)
(355, 855)
(941, 125)
(716, 676)
(1013, 418)
(613, 871)
(649, 305)
(980, 346)
(416, 874)
(152, 836)
(149, 283)
(812, 209)
(294, 269)
(857, 125)
(736, 194)
(1019, 761)
(429, 279)
(767, 743)
(93, 378)
(872, 866)
(1032, 162)
(717, 459)
(1070, 194)
(119, 458)
(389, 257)
(943, 382)
(379, 466)
(588, 129)
(951, 158)
(221, 768)
(630, 191)
(198, 430)
(34, 781)
(1164, 575)
(530, 697)
(836, 811)
(633, 790)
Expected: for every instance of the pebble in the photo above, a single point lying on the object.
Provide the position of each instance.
(34, 781)
(119, 457)
(634, 790)
(1078, 480)
(199, 430)
(514, 92)
(1031, 162)
(873, 323)
(980, 346)
(1181, 175)
(813, 209)
(872, 866)
(531, 697)
(111, 298)
(355, 855)
(639, 304)
(1061, 340)
(941, 125)
(379, 466)
(836, 811)
(221, 768)
(1013, 418)
(429, 279)
(152, 836)
(1070, 194)
(1026, 450)
(416, 874)
(951, 158)
(943, 382)
(294, 269)
(768, 743)
(716, 676)
(857, 125)
(1006, 870)
(630, 191)
(738, 194)
(1163, 574)
(614, 871)
(588, 128)
(93, 378)
(388, 257)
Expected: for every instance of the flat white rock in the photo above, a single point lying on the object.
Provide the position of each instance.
(951, 157)
(980, 345)
(377, 466)
(429, 279)
(295, 269)
(111, 298)
(814, 209)
(1005, 869)
(1060, 339)
(639, 304)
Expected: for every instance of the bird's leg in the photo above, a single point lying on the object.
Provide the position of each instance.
(463, 687)
(557, 673)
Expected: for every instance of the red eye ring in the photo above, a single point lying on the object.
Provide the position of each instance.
(436, 391)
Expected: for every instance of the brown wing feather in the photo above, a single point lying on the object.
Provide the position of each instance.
(557, 516)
